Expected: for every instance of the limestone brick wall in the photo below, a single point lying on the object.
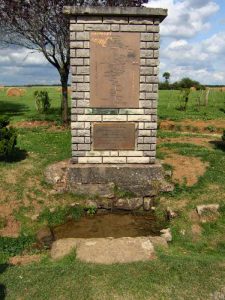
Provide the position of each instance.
(83, 116)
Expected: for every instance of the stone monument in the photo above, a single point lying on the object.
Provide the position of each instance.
(114, 66)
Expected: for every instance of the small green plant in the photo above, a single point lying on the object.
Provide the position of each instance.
(184, 98)
(8, 139)
(15, 246)
(91, 211)
(42, 101)
(211, 128)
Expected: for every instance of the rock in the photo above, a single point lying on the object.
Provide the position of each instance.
(166, 187)
(210, 208)
(168, 173)
(24, 260)
(158, 241)
(35, 217)
(91, 203)
(104, 203)
(45, 237)
(170, 214)
(108, 250)
(147, 203)
(56, 173)
(166, 234)
(102, 211)
(128, 203)
(63, 247)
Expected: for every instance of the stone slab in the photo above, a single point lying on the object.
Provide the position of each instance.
(160, 13)
(142, 180)
(108, 250)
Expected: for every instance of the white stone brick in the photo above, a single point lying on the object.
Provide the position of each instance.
(83, 132)
(83, 87)
(76, 27)
(89, 160)
(82, 36)
(89, 118)
(82, 53)
(131, 153)
(88, 19)
(114, 160)
(115, 118)
(147, 37)
(115, 20)
(114, 153)
(83, 70)
(138, 160)
(115, 27)
(139, 118)
(133, 20)
(77, 45)
(146, 53)
(150, 125)
(83, 103)
(85, 147)
(97, 27)
(136, 28)
(144, 147)
(144, 133)
(149, 140)
(78, 125)
(131, 111)
(153, 28)
(98, 153)
(78, 140)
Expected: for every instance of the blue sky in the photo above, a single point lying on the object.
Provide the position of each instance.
(192, 44)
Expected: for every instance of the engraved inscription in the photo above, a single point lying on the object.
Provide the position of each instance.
(113, 136)
(115, 69)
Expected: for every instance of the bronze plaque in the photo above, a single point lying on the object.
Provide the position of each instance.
(115, 69)
(113, 136)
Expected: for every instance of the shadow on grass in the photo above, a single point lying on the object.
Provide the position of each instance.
(3, 267)
(17, 156)
(218, 145)
(10, 109)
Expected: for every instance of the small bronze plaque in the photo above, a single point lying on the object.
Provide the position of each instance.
(114, 136)
(115, 69)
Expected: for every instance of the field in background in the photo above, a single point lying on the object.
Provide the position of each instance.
(23, 108)
(194, 265)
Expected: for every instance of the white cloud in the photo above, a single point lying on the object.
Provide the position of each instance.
(185, 18)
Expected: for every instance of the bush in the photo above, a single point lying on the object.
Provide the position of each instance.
(42, 101)
(8, 139)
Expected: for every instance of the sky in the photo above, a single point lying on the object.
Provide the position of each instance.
(192, 45)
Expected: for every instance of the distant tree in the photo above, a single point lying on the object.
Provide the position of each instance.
(166, 75)
(40, 25)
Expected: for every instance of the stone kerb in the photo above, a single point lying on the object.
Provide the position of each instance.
(145, 116)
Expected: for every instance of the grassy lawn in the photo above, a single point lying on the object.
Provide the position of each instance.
(169, 104)
(192, 268)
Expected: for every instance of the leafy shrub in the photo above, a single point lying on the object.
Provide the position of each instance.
(8, 139)
(15, 246)
(42, 101)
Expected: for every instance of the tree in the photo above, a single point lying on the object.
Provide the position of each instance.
(40, 25)
(166, 75)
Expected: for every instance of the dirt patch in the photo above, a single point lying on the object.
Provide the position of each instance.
(186, 169)
(32, 124)
(194, 125)
(24, 260)
(12, 228)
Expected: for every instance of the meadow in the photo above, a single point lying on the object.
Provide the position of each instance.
(193, 267)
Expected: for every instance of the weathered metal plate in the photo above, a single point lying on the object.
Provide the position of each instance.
(113, 136)
(115, 69)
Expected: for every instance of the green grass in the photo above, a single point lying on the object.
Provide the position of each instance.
(190, 269)
(23, 108)
(169, 104)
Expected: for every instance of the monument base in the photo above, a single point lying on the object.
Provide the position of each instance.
(109, 181)
(140, 180)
